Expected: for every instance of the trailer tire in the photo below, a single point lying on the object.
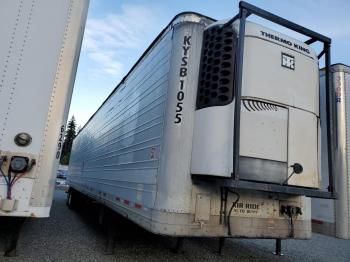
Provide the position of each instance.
(71, 199)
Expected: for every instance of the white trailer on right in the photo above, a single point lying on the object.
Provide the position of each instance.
(329, 216)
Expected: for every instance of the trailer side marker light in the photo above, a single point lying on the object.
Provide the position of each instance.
(316, 221)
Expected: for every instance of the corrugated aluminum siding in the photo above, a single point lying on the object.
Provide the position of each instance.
(119, 147)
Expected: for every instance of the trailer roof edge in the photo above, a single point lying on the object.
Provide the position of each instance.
(338, 67)
(143, 55)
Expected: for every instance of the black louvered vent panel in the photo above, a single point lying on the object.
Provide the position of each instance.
(215, 85)
(254, 105)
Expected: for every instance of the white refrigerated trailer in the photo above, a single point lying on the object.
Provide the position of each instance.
(172, 150)
(332, 217)
(39, 50)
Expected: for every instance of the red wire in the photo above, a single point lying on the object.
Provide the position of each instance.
(11, 183)
(16, 178)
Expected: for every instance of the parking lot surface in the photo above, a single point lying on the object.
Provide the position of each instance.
(74, 236)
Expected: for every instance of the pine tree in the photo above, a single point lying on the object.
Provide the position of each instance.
(78, 130)
(68, 141)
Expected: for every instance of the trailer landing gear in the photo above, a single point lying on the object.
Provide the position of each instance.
(109, 249)
(221, 245)
(178, 245)
(278, 248)
(107, 218)
(14, 226)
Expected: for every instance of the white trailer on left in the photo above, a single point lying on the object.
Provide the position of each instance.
(40, 43)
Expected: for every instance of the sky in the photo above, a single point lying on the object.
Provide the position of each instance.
(117, 32)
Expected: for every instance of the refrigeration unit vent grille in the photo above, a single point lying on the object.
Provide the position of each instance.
(215, 86)
(254, 105)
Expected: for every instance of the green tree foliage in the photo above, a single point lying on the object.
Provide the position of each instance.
(68, 141)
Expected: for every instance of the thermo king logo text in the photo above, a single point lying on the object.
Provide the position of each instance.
(285, 41)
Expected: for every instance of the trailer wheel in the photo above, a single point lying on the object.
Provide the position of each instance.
(71, 199)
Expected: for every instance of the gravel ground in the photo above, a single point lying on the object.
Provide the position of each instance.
(73, 236)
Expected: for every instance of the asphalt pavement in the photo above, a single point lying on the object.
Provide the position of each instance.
(75, 236)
